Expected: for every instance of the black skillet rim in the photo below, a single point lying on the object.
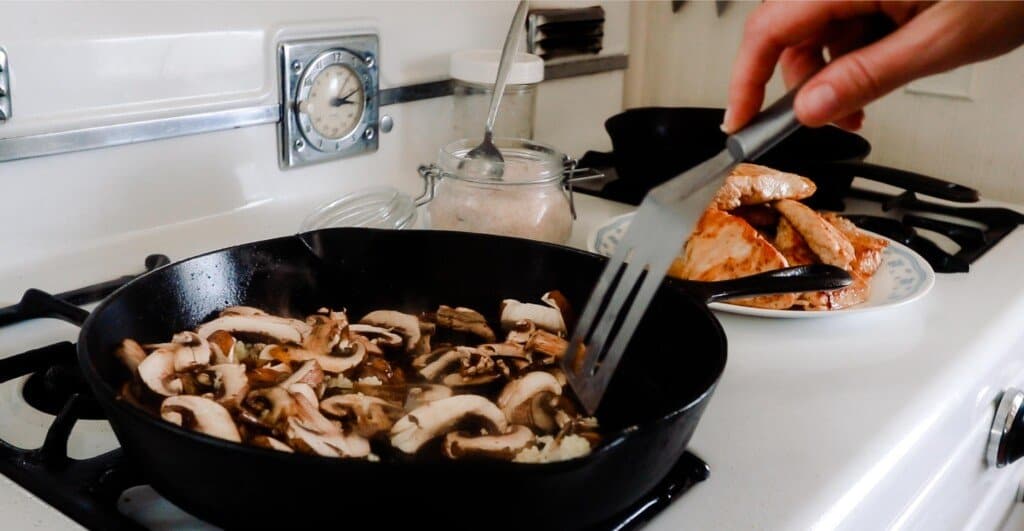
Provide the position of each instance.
(107, 396)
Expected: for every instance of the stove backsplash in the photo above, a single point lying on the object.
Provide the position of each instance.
(76, 65)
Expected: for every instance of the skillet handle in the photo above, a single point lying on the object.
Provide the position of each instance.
(816, 277)
(907, 180)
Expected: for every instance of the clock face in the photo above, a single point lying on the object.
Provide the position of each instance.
(335, 102)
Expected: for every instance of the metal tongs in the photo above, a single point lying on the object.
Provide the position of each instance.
(667, 215)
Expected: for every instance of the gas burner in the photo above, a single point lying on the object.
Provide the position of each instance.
(50, 388)
(972, 241)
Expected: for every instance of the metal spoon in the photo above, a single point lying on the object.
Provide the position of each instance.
(485, 159)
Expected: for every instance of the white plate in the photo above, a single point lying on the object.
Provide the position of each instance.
(903, 277)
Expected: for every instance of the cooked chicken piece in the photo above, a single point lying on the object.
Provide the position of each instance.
(724, 246)
(855, 293)
(827, 242)
(792, 245)
(760, 217)
(867, 248)
(750, 184)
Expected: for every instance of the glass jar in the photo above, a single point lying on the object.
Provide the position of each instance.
(532, 200)
(473, 73)
(376, 207)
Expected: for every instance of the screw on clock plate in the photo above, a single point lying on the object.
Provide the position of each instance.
(299, 144)
(296, 66)
(369, 60)
(368, 133)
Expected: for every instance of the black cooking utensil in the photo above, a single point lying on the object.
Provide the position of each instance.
(651, 410)
(653, 144)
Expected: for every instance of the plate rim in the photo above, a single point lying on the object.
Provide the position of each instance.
(929, 283)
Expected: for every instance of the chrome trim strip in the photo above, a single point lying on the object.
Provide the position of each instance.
(24, 147)
(29, 146)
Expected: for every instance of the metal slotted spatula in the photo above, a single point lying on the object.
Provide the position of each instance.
(667, 216)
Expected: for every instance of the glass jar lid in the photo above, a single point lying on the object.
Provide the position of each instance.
(526, 162)
(378, 207)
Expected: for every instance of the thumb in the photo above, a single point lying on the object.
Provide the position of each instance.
(857, 78)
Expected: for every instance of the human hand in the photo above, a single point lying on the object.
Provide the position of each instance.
(873, 48)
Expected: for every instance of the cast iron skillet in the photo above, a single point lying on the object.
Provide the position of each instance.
(653, 144)
(654, 403)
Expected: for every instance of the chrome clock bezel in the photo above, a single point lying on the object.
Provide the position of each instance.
(300, 62)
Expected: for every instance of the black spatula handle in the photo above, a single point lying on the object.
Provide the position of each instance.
(768, 128)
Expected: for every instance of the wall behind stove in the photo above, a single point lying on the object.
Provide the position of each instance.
(686, 58)
(79, 64)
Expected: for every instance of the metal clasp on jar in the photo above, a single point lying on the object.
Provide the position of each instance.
(430, 173)
(574, 174)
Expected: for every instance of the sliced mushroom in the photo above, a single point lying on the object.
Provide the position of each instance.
(502, 446)
(378, 335)
(422, 394)
(324, 334)
(308, 373)
(277, 329)
(552, 346)
(157, 372)
(521, 332)
(305, 390)
(190, 351)
(370, 415)
(547, 317)
(527, 401)
(310, 431)
(269, 442)
(200, 414)
(349, 355)
(465, 320)
(406, 325)
(436, 418)
(222, 344)
(474, 367)
(270, 406)
(131, 354)
(231, 383)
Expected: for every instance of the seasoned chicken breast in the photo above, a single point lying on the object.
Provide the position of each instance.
(724, 246)
(853, 294)
(750, 184)
(792, 245)
(867, 249)
(827, 242)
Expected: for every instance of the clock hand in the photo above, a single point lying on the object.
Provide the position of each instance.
(338, 102)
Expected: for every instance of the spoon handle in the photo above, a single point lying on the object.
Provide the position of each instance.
(508, 53)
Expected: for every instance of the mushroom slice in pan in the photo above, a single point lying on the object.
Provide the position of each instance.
(551, 346)
(308, 373)
(349, 355)
(269, 442)
(222, 344)
(310, 431)
(548, 317)
(279, 329)
(422, 394)
(474, 368)
(323, 336)
(521, 332)
(269, 406)
(464, 320)
(131, 354)
(436, 418)
(157, 372)
(232, 383)
(305, 390)
(404, 324)
(190, 350)
(527, 401)
(200, 414)
(501, 446)
(378, 335)
(369, 415)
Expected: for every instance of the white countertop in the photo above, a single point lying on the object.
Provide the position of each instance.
(811, 419)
